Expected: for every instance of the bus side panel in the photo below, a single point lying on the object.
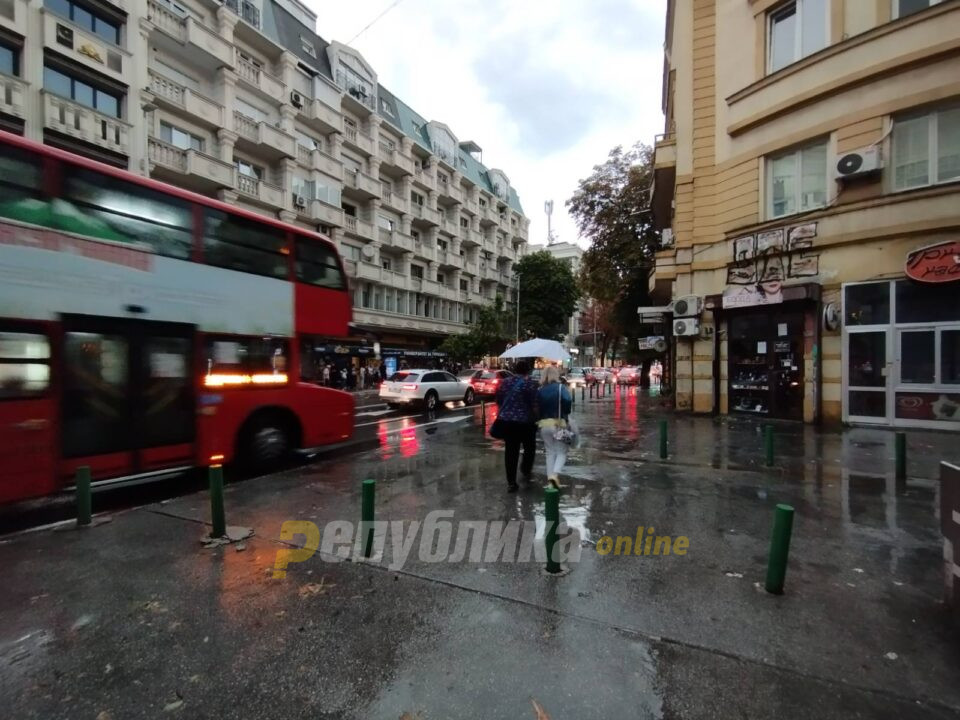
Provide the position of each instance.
(27, 449)
(326, 416)
(320, 311)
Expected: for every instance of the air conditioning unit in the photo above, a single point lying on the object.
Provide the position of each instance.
(299, 201)
(296, 99)
(666, 238)
(859, 162)
(686, 327)
(687, 306)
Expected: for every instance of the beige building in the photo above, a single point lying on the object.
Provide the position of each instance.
(240, 99)
(811, 147)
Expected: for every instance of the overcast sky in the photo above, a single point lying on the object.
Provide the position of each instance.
(545, 87)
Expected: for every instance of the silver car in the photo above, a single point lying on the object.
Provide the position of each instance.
(426, 388)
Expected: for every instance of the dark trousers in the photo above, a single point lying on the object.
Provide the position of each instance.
(516, 435)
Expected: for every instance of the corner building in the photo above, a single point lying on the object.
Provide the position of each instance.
(807, 185)
(241, 100)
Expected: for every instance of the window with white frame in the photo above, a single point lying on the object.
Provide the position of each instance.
(797, 180)
(180, 138)
(902, 8)
(796, 29)
(926, 149)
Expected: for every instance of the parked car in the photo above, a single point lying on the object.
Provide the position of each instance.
(576, 377)
(628, 376)
(427, 388)
(489, 382)
(601, 375)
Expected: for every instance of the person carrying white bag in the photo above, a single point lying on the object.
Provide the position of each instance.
(556, 428)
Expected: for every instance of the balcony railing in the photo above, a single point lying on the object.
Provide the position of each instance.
(165, 154)
(11, 95)
(248, 71)
(246, 10)
(167, 20)
(304, 154)
(245, 126)
(248, 185)
(81, 122)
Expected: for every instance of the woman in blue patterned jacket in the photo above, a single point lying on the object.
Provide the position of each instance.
(517, 412)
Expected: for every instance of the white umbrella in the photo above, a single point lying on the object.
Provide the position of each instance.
(537, 348)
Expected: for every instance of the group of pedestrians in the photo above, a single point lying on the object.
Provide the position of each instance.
(526, 408)
(347, 377)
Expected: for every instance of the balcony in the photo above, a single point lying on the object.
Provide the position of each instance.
(423, 285)
(358, 227)
(202, 169)
(326, 214)
(424, 178)
(84, 48)
(82, 123)
(393, 159)
(199, 45)
(470, 205)
(267, 140)
(450, 259)
(391, 199)
(471, 266)
(358, 139)
(424, 251)
(664, 180)
(247, 11)
(179, 98)
(264, 192)
(358, 97)
(507, 251)
(490, 274)
(258, 79)
(319, 160)
(487, 216)
(362, 184)
(470, 238)
(321, 116)
(428, 215)
(12, 91)
(449, 191)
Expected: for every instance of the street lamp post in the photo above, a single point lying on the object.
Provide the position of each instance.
(518, 308)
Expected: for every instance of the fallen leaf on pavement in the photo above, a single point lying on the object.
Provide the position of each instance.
(538, 709)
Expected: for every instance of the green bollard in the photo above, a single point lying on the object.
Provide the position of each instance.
(663, 439)
(768, 443)
(366, 516)
(779, 549)
(901, 447)
(84, 501)
(217, 516)
(551, 512)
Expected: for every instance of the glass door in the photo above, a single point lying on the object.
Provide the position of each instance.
(867, 375)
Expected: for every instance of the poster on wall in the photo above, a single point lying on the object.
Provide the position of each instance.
(928, 406)
(744, 296)
(772, 240)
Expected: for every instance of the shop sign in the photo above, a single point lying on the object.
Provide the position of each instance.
(935, 263)
(742, 296)
(654, 342)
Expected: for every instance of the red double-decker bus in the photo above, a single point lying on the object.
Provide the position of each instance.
(145, 329)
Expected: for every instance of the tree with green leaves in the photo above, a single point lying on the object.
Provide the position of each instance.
(548, 295)
(488, 334)
(612, 210)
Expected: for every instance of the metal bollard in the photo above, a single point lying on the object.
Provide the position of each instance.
(551, 512)
(84, 500)
(483, 413)
(768, 443)
(779, 549)
(901, 459)
(663, 439)
(217, 515)
(366, 516)
(583, 393)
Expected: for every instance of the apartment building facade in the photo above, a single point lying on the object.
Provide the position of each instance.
(242, 100)
(807, 186)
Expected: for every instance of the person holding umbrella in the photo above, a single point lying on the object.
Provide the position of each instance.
(517, 423)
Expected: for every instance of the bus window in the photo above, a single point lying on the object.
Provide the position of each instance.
(122, 212)
(20, 177)
(234, 361)
(245, 245)
(317, 265)
(24, 365)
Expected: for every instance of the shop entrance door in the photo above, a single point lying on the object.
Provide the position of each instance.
(868, 355)
(766, 364)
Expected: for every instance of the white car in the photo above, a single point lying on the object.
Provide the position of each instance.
(428, 388)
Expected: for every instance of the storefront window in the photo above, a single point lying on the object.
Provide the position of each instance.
(867, 304)
(868, 404)
(918, 356)
(918, 302)
(867, 359)
(950, 357)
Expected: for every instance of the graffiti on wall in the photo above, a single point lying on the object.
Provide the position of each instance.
(763, 262)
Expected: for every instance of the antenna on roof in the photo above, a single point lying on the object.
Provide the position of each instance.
(548, 209)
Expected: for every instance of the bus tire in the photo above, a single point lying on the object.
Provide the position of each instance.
(266, 440)
(431, 400)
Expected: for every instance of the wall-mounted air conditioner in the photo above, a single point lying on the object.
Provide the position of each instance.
(859, 163)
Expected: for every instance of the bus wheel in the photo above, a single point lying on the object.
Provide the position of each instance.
(267, 442)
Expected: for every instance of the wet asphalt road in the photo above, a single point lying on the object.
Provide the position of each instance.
(133, 618)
